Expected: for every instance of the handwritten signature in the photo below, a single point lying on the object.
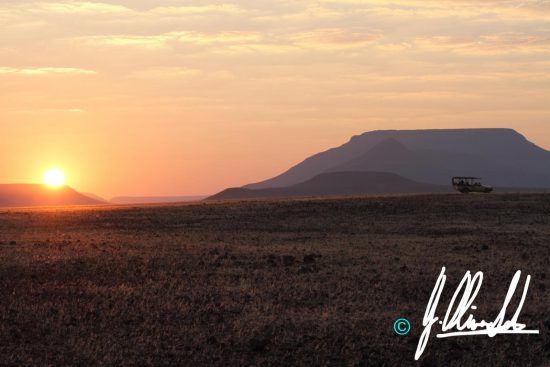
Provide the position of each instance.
(457, 323)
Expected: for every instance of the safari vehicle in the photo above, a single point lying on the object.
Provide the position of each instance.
(467, 185)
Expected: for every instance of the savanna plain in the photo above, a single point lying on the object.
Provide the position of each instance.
(309, 282)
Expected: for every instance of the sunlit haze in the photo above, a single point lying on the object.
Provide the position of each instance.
(166, 97)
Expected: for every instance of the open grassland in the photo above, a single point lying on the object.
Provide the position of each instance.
(303, 282)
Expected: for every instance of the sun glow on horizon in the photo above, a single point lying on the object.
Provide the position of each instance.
(54, 178)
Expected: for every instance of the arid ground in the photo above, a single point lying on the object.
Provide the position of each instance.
(296, 282)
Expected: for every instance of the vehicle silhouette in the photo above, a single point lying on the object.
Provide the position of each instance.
(467, 185)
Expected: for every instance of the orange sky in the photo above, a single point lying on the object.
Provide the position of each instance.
(168, 97)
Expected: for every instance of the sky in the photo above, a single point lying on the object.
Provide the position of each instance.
(165, 97)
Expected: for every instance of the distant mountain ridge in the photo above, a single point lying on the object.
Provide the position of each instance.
(154, 199)
(338, 184)
(95, 197)
(21, 195)
(503, 157)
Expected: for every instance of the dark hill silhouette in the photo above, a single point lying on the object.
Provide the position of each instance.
(338, 184)
(18, 195)
(502, 157)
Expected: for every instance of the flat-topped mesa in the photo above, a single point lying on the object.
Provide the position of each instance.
(502, 156)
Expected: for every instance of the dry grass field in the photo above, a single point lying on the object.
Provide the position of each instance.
(296, 282)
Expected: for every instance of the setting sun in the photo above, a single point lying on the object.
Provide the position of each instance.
(54, 178)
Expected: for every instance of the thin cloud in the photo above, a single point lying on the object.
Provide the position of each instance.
(497, 44)
(46, 71)
(51, 110)
(330, 38)
(175, 11)
(433, 9)
(74, 7)
(151, 42)
(182, 73)
(184, 37)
